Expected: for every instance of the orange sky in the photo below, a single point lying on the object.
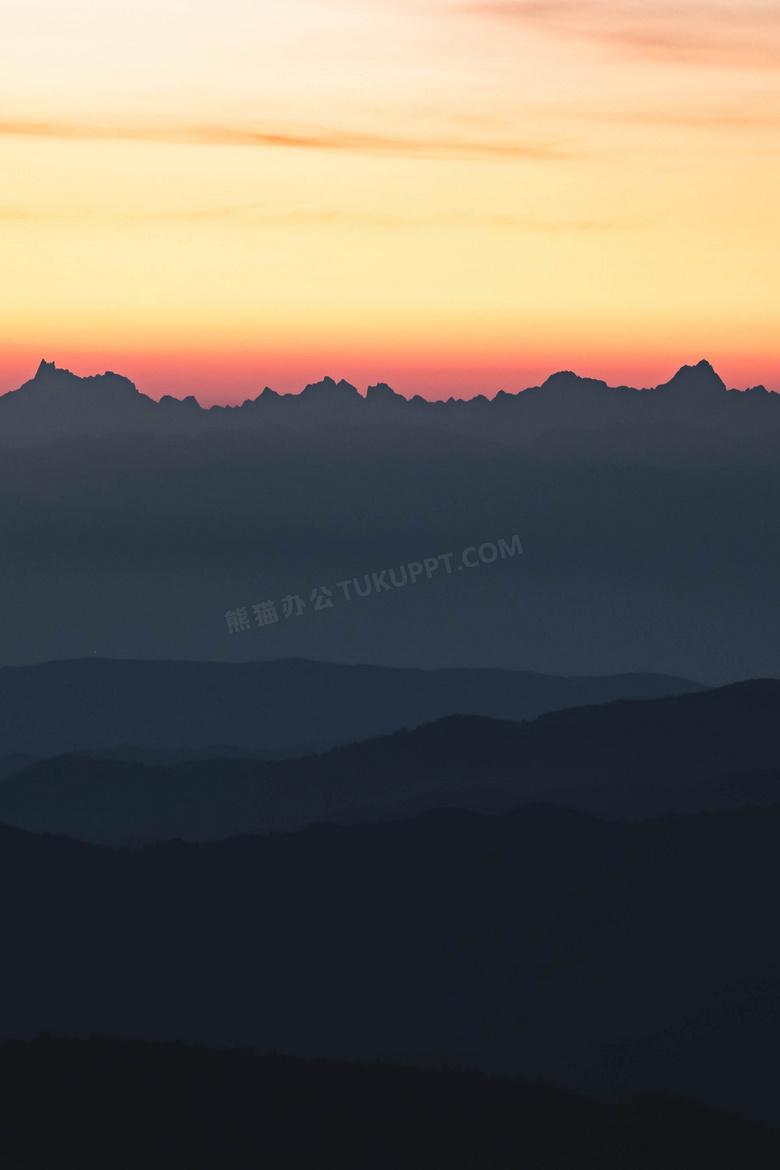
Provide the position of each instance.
(455, 198)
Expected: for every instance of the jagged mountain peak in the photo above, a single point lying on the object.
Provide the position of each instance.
(50, 375)
(699, 378)
(56, 403)
(341, 390)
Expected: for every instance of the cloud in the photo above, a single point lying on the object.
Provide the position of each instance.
(265, 216)
(314, 139)
(758, 118)
(306, 217)
(688, 31)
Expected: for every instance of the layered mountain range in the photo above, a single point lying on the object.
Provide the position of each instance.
(608, 926)
(609, 958)
(630, 759)
(280, 708)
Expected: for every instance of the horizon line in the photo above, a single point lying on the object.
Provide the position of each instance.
(45, 366)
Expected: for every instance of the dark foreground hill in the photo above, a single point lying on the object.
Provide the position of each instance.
(610, 958)
(630, 759)
(138, 1106)
(284, 706)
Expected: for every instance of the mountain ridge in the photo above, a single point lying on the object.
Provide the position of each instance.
(56, 402)
(609, 958)
(687, 378)
(239, 1109)
(99, 704)
(629, 759)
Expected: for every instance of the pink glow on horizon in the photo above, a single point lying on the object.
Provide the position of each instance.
(229, 379)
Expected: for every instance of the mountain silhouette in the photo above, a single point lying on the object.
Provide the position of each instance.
(612, 959)
(225, 831)
(626, 759)
(132, 1104)
(648, 521)
(278, 707)
(698, 380)
(56, 403)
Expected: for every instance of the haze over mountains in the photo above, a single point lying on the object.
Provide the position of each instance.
(285, 707)
(629, 759)
(549, 853)
(648, 523)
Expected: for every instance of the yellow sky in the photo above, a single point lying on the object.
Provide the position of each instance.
(411, 186)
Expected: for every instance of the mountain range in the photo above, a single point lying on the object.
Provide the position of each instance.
(629, 759)
(648, 542)
(547, 854)
(330, 415)
(611, 959)
(283, 707)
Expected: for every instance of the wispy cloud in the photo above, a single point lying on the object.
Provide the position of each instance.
(314, 217)
(310, 139)
(759, 118)
(723, 33)
(265, 216)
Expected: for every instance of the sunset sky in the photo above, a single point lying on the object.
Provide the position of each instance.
(453, 197)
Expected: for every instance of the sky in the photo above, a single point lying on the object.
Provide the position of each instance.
(450, 197)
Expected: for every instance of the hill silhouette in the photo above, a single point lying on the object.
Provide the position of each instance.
(620, 953)
(103, 1102)
(612, 959)
(628, 759)
(284, 706)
